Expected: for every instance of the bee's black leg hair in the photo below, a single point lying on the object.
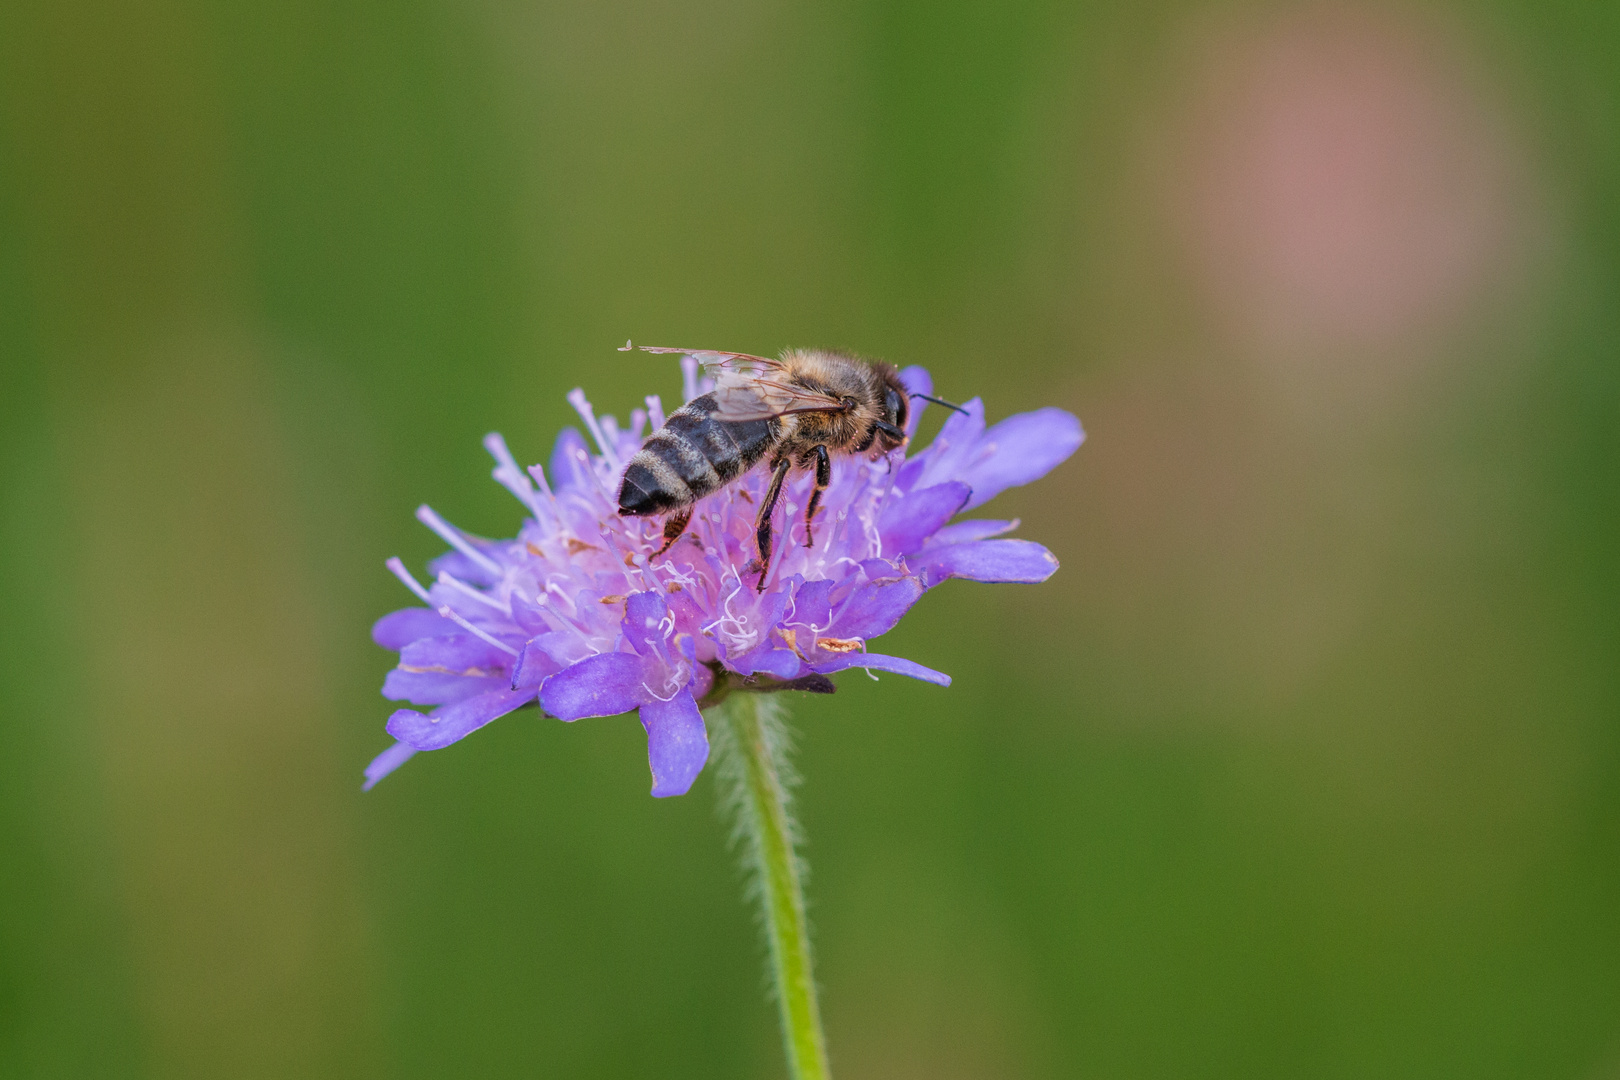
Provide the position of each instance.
(823, 478)
(762, 524)
(674, 526)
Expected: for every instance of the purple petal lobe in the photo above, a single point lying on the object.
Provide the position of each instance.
(567, 469)
(533, 666)
(565, 648)
(398, 629)
(530, 617)
(603, 685)
(906, 522)
(1020, 449)
(458, 653)
(989, 560)
(950, 452)
(811, 606)
(452, 723)
(677, 743)
(899, 665)
(643, 617)
(458, 565)
(874, 608)
(880, 570)
(960, 532)
(767, 612)
(916, 380)
(778, 663)
(386, 762)
(436, 687)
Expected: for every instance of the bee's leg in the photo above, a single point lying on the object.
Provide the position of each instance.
(762, 524)
(674, 526)
(823, 478)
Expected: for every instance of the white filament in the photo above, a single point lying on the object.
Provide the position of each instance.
(404, 575)
(450, 614)
(452, 536)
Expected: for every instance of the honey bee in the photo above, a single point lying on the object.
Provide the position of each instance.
(798, 412)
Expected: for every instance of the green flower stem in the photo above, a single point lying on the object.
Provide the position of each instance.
(753, 745)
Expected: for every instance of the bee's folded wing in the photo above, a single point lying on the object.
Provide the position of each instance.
(748, 387)
(739, 396)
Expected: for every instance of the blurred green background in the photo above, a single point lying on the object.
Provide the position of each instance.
(1306, 763)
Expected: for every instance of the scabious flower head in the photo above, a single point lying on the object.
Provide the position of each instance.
(576, 614)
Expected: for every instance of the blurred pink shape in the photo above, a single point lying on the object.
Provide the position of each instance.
(1347, 183)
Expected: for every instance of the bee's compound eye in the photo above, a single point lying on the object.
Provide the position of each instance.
(897, 407)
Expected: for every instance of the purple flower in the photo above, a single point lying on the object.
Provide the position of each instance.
(573, 613)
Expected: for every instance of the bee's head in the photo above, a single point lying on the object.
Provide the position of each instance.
(891, 432)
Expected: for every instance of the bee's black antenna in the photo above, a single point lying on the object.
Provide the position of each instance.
(941, 401)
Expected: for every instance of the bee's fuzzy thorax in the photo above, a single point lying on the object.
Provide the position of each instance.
(860, 382)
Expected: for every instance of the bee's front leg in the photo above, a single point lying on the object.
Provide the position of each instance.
(823, 478)
(674, 526)
(762, 524)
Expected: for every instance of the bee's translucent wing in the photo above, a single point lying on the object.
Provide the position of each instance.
(741, 396)
(748, 387)
(713, 362)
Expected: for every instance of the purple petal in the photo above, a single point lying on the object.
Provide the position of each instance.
(767, 612)
(399, 628)
(603, 685)
(811, 604)
(452, 723)
(535, 664)
(916, 380)
(386, 762)
(643, 614)
(437, 687)
(530, 617)
(777, 663)
(702, 682)
(568, 471)
(961, 532)
(565, 647)
(899, 665)
(677, 743)
(950, 453)
(458, 654)
(988, 560)
(880, 570)
(874, 608)
(1020, 449)
(909, 520)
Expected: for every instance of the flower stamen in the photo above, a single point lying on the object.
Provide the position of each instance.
(448, 612)
(576, 398)
(452, 536)
(477, 594)
(397, 567)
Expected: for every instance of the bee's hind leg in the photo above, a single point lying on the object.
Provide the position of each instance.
(674, 526)
(762, 524)
(823, 478)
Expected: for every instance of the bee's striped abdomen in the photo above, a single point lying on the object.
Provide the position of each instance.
(692, 455)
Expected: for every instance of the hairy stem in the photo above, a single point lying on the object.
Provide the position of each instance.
(751, 746)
